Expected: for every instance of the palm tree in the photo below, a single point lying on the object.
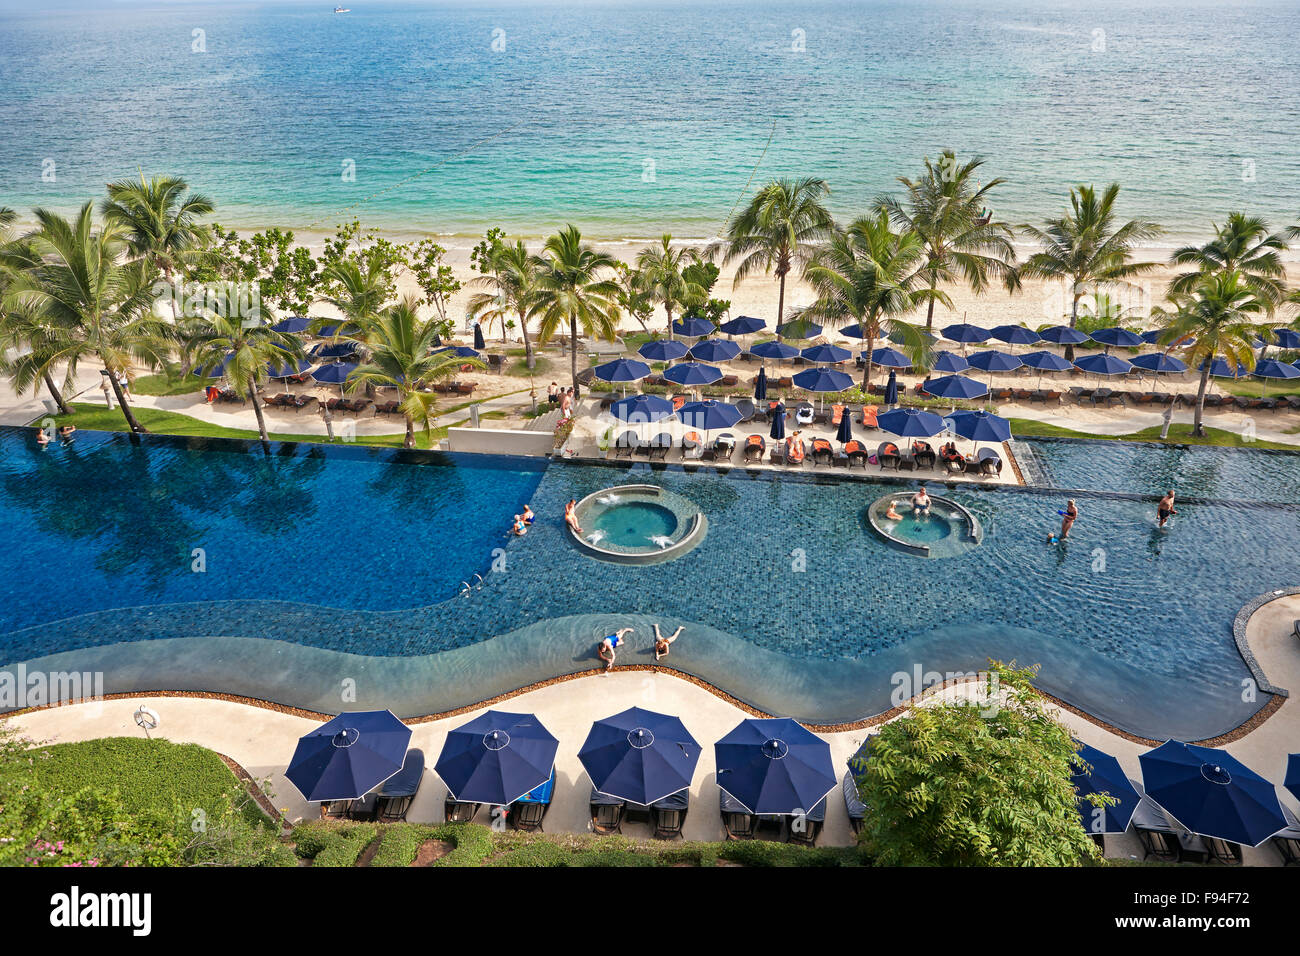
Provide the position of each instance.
(511, 276)
(570, 289)
(245, 352)
(399, 344)
(870, 274)
(1243, 244)
(19, 324)
(1219, 313)
(85, 300)
(778, 230)
(948, 209)
(160, 219)
(1086, 246)
(358, 293)
(661, 268)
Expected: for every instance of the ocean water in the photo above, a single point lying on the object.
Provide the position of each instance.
(631, 117)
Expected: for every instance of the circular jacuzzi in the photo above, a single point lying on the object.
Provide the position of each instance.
(945, 530)
(637, 524)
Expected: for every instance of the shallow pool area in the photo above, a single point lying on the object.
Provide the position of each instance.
(324, 564)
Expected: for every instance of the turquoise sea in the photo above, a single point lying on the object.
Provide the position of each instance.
(631, 117)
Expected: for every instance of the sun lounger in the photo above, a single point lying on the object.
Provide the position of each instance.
(1222, 851)
(606, 812)
(668, 815)
(784, 381)
(804, 830)
(887, 455)
(803, 414)
(1022, 394)
(626, 443)
(302, 401)
(454, 811)
(923, 454)
(1287, 841)
(387, 408)
(678, 402)
(852, 802)
(755, 448)
(724, 446)
(1292, 402)
(990, 462)
(659, 446)
(692, 447)
(954, 466)
(1212, 401)
(795, 453)
(778, 453)
(837, 413)
(1159, 838)
(1079, 394)
(746, 409)
(528, 812)
(822, 452)
(1001, 395)
(738, 822)
(397, 793)
(857, 453)
(868, 419)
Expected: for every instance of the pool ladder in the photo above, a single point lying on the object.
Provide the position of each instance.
(466, 587)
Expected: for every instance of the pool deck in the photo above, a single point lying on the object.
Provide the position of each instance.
(262, 739)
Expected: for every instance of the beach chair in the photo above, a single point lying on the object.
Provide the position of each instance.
(724, 446)
(387, 408)
(822, 452)
(455, 811)
(746, 409)
(397, 793)
(887, 455)
(1001, 395)
(868, 419)
(1158, 837)
(857, 453)
(678, 402)
(1222, 851)
(803, 413)
(923, 454)
(852, 802)
(1292, 402)
(785, 381)
(729, 381)
(668, 815)
(692, 447)
(737, 822)
(954, 466)
(1022, 394)
(990, 462)
(755, 448)
(1287, 841)
(302, 401)
(804, 830)
(606, 812)
(528, 812)
(1211, 401)
(625, 444)
(837, 413)
(659, 446)
(795, 452)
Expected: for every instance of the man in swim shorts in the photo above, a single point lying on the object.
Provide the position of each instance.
(605, 649)
(1165, 509)
(920, 501)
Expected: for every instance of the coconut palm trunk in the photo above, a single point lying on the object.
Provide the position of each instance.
(410, 432)
(1197, 431)
(257, 410)
(929, 309)
(1074, 321)
(529, 359)
(131, 423)
(866, 367)
(573, 353)
(56, 394)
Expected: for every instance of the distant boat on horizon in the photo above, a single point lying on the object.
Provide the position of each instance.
(342, 10)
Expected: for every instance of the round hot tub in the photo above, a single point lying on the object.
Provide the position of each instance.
(637, 524)
(945, 530)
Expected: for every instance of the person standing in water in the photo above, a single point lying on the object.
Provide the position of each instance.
(1068, 517)
(1165, 509)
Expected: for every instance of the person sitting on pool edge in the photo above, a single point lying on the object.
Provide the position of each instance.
(663, 643)
(920, 501)
(519, 529)
(892, 513)
(528, 515)
(605, 649)
(571, 518)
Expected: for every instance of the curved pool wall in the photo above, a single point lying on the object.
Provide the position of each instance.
(689, 525)
(792, 604)
(965, 532)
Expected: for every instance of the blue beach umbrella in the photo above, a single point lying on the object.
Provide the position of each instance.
(1272, 368)
(774, 765)
(978, 425)
(292, 325)
(1063, 335)
(911, 423)
(1212, 793)
(479, 342)
(621, 370)
(1103, 363)
(692, 373)
(714, 350)
(1159, 362)
(1106, 777)
(898, 338)
(950, 362)
(1219, 368)
(1292, 779)
(823, 380)
(991, 360)
(826, 354)
(347, 757)
(662, 350)
(853, 331)
(1286, 338)
(462, 351)
(760, 386)
(1116, 336)
(965, 333)
(1152, 336)
(1015, 335)
(777, 431)
(496, 758)
(334, 374)
(844, 433)
(289, 368)
(777, 351)
(799, 329)
(693, 328)
(636, 409)
(742, 325)
(886, 357)
(336, 350)
(708, 415)
(639, 756)
(1046, 361)
(891, 389)
(219, 369)
(957, 387)
(338, 328)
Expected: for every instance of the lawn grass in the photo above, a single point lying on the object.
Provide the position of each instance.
(163, 384)
(1180, 434)
(148, 774)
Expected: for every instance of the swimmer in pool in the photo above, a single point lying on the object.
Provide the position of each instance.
(605, 649)
(1165, 509)
(528, 515)
(1068, 517)
(663, 643)
(519, 529)
(920, 501)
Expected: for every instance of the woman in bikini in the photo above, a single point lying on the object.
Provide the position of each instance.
(570, 517)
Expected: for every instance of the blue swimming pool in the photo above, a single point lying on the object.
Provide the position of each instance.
(329, 564)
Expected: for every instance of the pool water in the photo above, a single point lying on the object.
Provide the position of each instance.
(328, 563)
(633, 524)
(922, 529)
